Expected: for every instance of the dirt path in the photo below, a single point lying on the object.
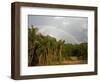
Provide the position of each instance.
(72, 62)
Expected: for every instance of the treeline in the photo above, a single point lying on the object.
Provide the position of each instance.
(78, 50)
(46, 50)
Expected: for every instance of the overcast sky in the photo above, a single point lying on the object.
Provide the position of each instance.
(71, 29)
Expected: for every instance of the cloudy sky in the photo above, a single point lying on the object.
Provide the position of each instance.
(71, 29)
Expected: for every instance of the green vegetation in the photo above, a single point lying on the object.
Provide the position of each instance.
(46, 50)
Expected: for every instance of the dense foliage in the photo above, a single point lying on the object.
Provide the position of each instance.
(46, 50)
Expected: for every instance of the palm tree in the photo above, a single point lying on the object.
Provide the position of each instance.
(60, 48)
(43, 50)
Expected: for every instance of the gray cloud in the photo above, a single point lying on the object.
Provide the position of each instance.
(70, 29)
